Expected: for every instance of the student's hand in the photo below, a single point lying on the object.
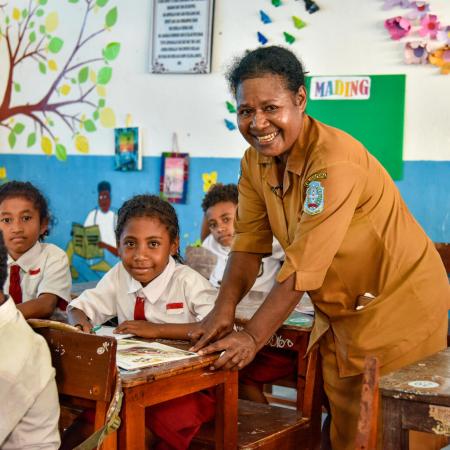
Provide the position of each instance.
(217, 324)
(237, 350)
(84, 325)
(140, 328)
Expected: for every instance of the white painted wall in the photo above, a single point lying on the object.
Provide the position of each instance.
(345, 37)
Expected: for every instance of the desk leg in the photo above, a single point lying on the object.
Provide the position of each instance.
(395, 437)
(226, 413)
(132, 430)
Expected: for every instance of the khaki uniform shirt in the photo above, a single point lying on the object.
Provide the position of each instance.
(363, 241)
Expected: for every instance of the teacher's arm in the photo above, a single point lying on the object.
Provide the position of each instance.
(241, 347)
(239, 276)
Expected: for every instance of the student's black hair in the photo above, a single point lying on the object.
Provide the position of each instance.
(3, 262)
(274, 60)
(26, 190)
(104, 186)
(218, 193)
(147, 205)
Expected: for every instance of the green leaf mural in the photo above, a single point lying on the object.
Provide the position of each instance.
(70, 73)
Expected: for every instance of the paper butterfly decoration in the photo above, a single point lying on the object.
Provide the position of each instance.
(264, 17)
(262, 39)
(209, 179)
(230, 125)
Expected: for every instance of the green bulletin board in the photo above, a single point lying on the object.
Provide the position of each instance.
(377, 122)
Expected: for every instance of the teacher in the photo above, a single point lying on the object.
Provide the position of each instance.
(376, 281)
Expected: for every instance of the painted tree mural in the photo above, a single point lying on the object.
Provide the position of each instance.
(70, 81)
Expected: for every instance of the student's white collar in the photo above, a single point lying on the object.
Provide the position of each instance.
(156, 287)
(28, 260)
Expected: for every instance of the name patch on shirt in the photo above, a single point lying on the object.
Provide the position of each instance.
(175, 308)
(314, 198)
(34, 271)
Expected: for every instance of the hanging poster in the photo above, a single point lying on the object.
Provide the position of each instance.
(174, 176)
(181, 37)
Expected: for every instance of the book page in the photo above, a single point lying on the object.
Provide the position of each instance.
(134, 354)
(107, 331)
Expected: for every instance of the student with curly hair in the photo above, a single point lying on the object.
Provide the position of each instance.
(153, 296)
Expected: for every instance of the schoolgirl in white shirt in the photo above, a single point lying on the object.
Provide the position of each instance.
(154, 297)
(38, 273)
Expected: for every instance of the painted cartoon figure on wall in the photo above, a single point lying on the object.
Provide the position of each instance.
(86, 250)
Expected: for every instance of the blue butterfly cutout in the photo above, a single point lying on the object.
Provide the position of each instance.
(264, 17)
(230, 125)
(262, 39)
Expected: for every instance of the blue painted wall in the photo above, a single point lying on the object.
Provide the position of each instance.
(71, 188)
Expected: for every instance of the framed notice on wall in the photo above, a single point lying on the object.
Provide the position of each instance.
(181, 36)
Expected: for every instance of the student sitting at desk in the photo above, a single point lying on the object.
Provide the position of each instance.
(29, 407)
(219, 206)
(154, 297)
(38, 274)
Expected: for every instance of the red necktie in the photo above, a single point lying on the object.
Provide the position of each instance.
(139, 312)
(15, 291)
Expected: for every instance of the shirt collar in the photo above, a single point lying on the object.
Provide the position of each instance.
(29, 259)
(156, 287)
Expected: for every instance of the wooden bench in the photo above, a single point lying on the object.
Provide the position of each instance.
(86, 373)
(262, 426)
(416, 397)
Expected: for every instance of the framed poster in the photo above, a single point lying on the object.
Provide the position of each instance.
(181, 36)
(127, 149)
(174, 176)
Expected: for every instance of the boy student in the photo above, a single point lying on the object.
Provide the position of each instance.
(219, 206)
(29, 407)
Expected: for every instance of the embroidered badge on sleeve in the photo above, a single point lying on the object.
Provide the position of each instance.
(314, 198)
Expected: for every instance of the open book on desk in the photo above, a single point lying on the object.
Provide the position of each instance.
(134, 354)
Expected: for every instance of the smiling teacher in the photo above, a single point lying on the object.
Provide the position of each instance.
(376, 281)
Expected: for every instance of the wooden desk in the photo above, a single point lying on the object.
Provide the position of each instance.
(292, 337)
(412, 407)
(157, 384)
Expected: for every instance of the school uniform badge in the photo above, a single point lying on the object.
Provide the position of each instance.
(314, 198)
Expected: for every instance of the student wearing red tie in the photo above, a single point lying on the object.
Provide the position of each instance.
(38, 273)
(153, 296)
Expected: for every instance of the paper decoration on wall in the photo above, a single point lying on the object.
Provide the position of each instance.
(127, 149)
(276, 3)
(264, 17)
(262, 39)
(289, 38)
(416, 53)
(311, 6)
(389, 4)
(174, 176)
(230, 125)
(419, 10)
(398, 27)
(3, 175)
(298, 23)
(209, 179)
(231, 108)
(444, 35)
(430, 26)
(441, 58)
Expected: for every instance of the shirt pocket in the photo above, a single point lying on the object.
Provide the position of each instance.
(31, 283)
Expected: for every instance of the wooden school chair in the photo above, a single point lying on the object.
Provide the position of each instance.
(366, 436)
(86, 377)
(268, 427)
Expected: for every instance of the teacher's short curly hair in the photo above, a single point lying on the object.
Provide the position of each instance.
(274, 60)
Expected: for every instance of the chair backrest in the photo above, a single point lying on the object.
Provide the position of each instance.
(366, 437)
(444, 251)
(86, 372)
(201, 260)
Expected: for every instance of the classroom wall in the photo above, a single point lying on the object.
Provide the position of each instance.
(343, 38)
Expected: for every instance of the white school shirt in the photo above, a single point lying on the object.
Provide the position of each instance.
(44, 269)
(268, 270)
(178, 295)
(106, 223)
(29, 404)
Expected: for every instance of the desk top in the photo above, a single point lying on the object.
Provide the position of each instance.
(426, 381)
(148, 374)
(296, 320)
